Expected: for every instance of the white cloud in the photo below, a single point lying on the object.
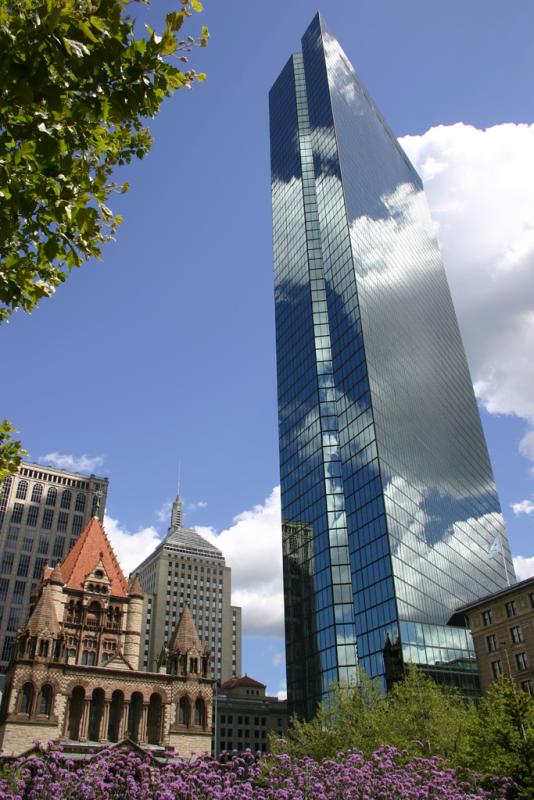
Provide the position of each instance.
(81, 463)
(524, 567)
(252, 547)
(524, 507)
(278, 658)
(282, 691)
(164, 513)
(131, 548)
(197, 505)
(526, 445)
(479, 187)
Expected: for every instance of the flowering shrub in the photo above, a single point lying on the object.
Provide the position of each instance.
(387, 775)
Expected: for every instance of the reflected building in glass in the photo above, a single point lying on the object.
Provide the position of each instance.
(388, 498)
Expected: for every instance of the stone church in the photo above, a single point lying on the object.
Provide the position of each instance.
(74, 676)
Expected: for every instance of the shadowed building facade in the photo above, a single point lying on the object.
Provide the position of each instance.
(389, 504)
(75, 676)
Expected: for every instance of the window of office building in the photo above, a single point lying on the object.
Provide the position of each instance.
(31, 518)
(18, 592)
(497, 668)
(62, 521)
(80, 502)
(59, 547)
(16, 513)
(44, 542)
(13, 620)
(37, 493)
(48, 519)
(7, 563)
(22, 490)
(521, 660)
(51, 496)
(511, 608)
(23, 567)
(516, 634)
(7, 648)
(38, 568)
(66, 499)
(528, 686)
(12, 536)
(77, 524)
(487, 617)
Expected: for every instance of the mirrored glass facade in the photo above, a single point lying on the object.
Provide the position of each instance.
(388, 498)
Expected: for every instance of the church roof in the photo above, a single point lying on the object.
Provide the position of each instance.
(186, 636)
(43, 616)
(188, 539)
(244, 681)
(93, 546)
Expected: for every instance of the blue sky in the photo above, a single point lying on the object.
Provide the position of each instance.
(164, 353)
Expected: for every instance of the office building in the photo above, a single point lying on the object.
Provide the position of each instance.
(502, 626)
(42, 513)
(74, 677)
(187, 570)
(246, 716)
(389, 504)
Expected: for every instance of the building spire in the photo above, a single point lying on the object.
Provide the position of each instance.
(177, 513)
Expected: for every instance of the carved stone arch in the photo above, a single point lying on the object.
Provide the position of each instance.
(85, 684)
(161, 691)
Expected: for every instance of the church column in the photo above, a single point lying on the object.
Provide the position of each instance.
(123, 729)
(143, 724)
(84, 724)
(66, 720)
(104, 722)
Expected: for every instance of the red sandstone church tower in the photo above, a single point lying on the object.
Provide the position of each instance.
(74, 675)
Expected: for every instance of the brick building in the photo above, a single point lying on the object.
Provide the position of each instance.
(75, 673)
(502, 625)
(246, 716)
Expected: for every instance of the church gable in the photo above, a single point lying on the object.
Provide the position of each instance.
(91, 553)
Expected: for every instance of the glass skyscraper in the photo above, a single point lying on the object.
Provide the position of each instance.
(388, 499)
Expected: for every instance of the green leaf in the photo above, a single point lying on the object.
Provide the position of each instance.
(75, 48)
(175, 20)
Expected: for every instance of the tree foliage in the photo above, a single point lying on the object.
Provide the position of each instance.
(417, 716)
(422, 719)
(504, 737)
(11, 452)
(76, 85)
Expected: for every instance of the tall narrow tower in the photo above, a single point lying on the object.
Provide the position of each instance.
(388, 499)
(187, 571)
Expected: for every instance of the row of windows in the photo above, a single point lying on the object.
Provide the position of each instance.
(51, 496)
(521, 661)
(32, 517)
(43, 546)
(516, 635)
(511, 610)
